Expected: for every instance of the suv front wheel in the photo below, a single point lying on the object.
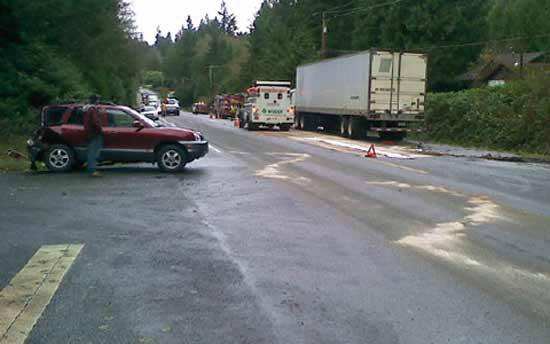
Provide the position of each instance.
(171, 158)
(59, 158)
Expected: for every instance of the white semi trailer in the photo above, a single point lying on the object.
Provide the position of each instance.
(372, 91)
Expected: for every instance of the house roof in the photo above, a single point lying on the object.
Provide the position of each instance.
(510, 60)
(496, 62)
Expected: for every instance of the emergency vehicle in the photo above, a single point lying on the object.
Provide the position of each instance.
(267, 104)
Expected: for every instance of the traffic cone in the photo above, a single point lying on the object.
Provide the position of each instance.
(371, 152)
(237, 122)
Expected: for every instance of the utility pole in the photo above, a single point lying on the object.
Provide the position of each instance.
(324, 37)
(211, 73)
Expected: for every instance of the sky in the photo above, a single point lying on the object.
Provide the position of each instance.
(170, 15)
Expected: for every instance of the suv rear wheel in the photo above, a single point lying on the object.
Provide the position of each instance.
(171, 158)
(59, 158)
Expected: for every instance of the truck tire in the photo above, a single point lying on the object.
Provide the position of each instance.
(252, 126)
(302, 122)
(297, 121)
(284, 127)
(344, 126)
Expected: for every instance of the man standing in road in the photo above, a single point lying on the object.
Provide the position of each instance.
(163, 108)
(94, 134)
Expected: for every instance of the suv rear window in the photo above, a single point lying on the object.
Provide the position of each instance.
(53, 115)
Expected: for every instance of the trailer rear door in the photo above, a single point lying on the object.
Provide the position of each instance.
(398, 82)
(412, 83)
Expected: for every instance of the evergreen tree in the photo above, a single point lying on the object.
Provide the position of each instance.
(228, 21)
(190, 26)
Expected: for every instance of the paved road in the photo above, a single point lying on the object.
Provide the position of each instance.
(290, 238)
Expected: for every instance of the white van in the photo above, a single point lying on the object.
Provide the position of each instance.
(268, 104)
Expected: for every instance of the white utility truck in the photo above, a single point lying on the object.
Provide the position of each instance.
(372, 91)
(267, 104)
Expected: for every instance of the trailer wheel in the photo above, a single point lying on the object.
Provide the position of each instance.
(344, 126)
(302, 122)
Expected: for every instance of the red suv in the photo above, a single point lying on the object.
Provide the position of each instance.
(128, 137)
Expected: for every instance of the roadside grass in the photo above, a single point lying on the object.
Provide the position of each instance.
(9, 164)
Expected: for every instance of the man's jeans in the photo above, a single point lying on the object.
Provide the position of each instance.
(94, 150)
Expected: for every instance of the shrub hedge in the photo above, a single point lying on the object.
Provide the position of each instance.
(513, 117)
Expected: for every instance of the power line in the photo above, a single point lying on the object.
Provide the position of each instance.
(335, 8)
(362, 9)
(340, 11)
(339, 8)
(491, 41)
(462, 45)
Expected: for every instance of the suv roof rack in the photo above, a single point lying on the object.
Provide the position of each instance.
(65, 102)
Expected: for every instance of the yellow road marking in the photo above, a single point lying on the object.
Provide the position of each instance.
(30, 291)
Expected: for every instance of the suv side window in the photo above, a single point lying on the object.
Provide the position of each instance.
(119, 119)
(77, 116)
(54, 115)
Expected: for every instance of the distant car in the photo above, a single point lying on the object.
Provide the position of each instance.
(60, 142)
(200, 108)
(152, 98)
(150, 112)
(156, 105)
(172, 107)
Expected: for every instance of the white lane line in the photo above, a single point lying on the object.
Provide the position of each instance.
(30, 291)
(215, 149)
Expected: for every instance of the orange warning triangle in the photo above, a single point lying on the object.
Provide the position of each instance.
(371, 152)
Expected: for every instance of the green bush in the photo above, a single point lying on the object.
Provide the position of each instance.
(513, 117)
(31, 76)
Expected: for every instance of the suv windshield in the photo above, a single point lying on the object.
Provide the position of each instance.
(143, 118)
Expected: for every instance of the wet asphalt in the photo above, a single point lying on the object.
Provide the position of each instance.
(275, 240)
